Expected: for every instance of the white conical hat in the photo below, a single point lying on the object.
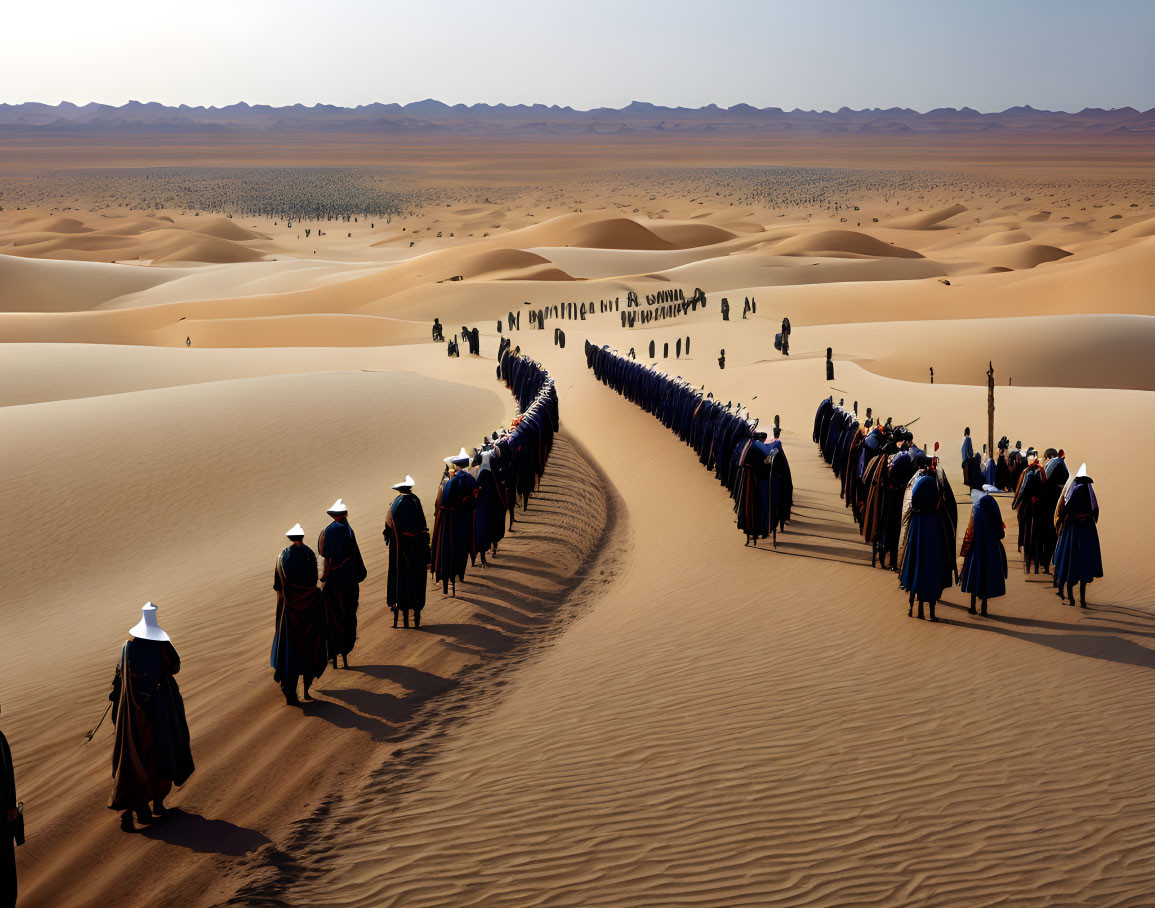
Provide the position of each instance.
(461, 455)
(338, 507)
(147, 628)
(987, 487)
(1082, 471)
(296, 530)
(407, 484)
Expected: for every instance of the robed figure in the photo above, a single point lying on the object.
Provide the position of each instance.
(452, 540)
(341, 576)
(1030, 505)
(407, 537)
(11, 834)
(489, 508)
(151, 752)
(1078, 558)
(925, 556)
(1055, 476)
(984, 569)
(752, 493)
(299, 646)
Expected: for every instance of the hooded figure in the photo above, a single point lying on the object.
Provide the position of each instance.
(407, 537)
(925, 553)
(452, 540)
(1078, 558)
(752, 492)
(490, 507)
(1031, 507)
(1055, 476)
(341, 576)
(1003, 466)
(151, 751)
(11, 826)
(299, 636)
(984, 569)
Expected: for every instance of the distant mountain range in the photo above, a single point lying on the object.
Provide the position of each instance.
(640, 117)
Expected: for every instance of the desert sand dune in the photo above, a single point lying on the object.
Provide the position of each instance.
(1019, 256)
(841, 242)
(673, 717)
(926, 220)
(226, 229)
(876, 746)
(34, 285)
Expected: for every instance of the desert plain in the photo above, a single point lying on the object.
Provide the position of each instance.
(627, 706)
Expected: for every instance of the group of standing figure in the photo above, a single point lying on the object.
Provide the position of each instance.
(903, 503)
(754, 470)
(315, 625)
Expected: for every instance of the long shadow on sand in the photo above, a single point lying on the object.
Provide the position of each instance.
(412, 679)
(192, 831)
(472, 637)
(843, 554)
(1105, 646)
(343, 717)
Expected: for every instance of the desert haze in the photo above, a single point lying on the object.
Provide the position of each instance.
(217, 320)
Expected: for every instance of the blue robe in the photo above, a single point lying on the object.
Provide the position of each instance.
(926, 570)
(984, 570)
(453, 527)
(1078, 558)
(341, 592)
(407, 537)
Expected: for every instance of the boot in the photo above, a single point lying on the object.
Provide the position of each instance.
(395, 617)
(932, 617)
(404, 618)
(126, 822)
(921, 602)
(345, 659)
(158, 809)
(971, 611)
(143, 814)
(417, 619)
(983, 612)
(1082, 594)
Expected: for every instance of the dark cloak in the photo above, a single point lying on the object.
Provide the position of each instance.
(1031, 509)
(926, 569)
(1078, 558)
(1057, 474)
(341, 592)
(299, 635)
(453, 527)
(490, 509)
(407, 536)
(151, 752)
(984, 569)
(7, 832)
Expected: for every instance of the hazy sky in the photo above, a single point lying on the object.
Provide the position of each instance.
(986, 54)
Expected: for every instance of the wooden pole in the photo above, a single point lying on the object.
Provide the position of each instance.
(990, 409)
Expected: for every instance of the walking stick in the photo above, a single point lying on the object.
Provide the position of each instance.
(98, 724)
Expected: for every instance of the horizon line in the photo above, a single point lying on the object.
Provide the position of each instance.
(568, 107)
